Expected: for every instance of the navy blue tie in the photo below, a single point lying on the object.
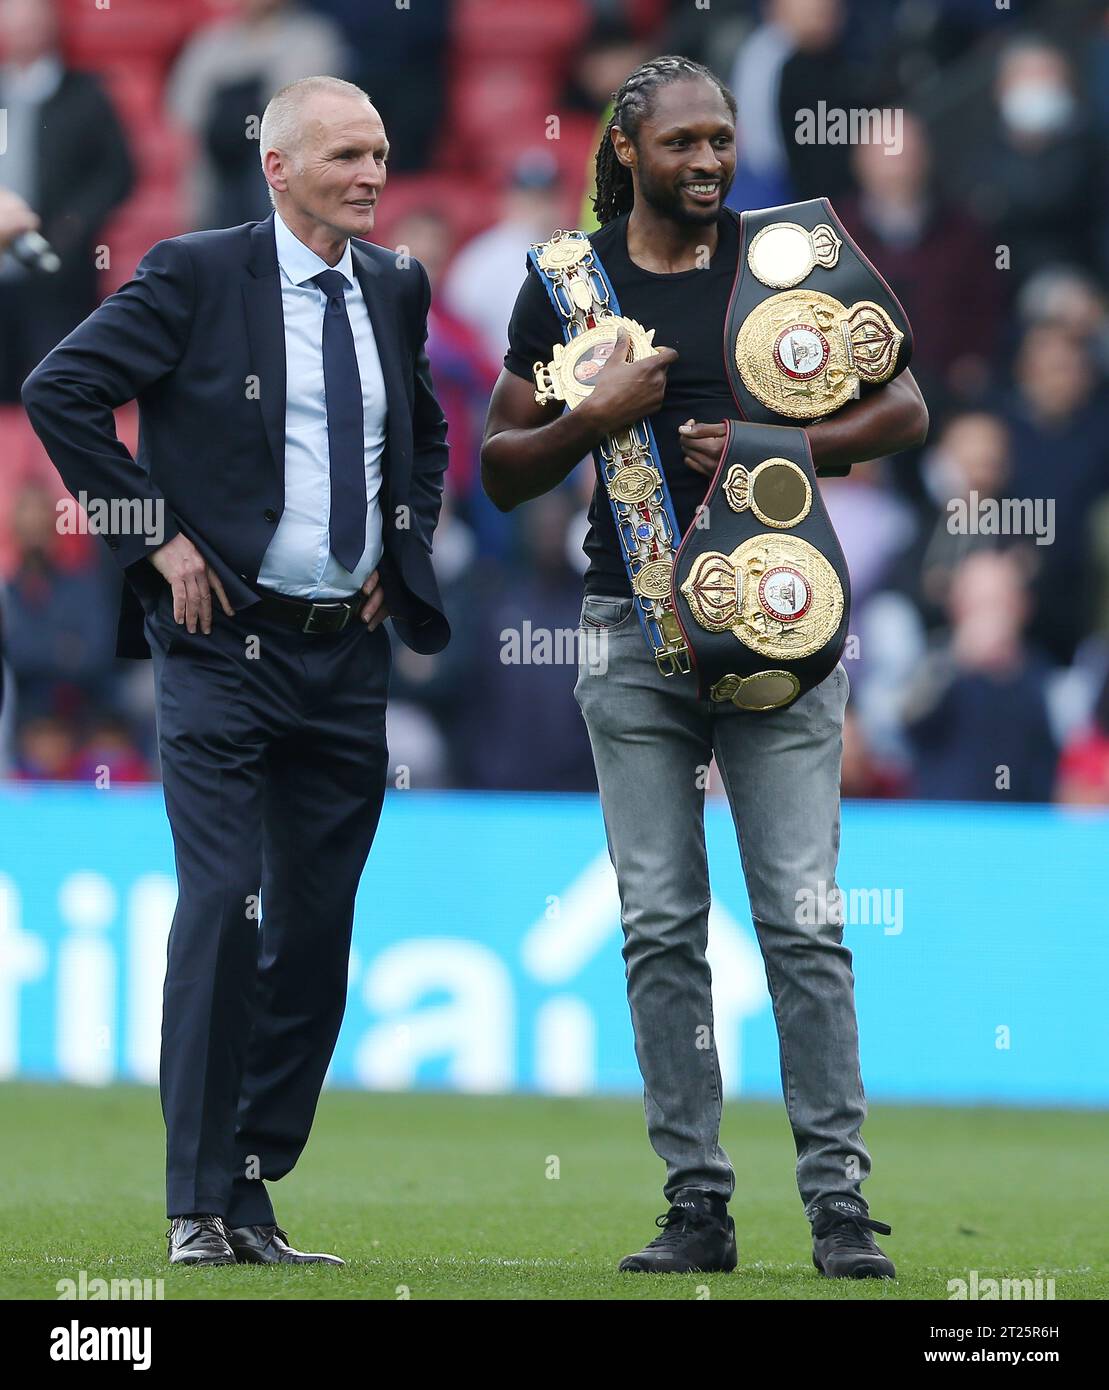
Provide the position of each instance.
(345, 438)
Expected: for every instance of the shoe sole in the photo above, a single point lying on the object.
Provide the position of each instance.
(203, 1262)
(690, 1269)
(248, 1259)
(863, 1272)
(728, 1267)
(324, 1264)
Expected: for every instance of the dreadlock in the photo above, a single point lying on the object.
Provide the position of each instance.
(629, 106)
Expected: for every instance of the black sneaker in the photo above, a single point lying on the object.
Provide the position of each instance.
(843, 1247)
(698, 1237)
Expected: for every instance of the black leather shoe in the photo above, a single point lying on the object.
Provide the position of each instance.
(843, 1247)
(269, 1245)
(698, 1237)
(198, 1240)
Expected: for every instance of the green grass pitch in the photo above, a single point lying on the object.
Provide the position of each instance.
(449, 1197)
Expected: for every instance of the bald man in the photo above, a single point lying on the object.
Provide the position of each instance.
(282, 505)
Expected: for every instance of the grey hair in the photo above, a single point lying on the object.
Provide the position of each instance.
(281, 127)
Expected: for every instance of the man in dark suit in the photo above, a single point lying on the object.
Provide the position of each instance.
(64, 151)
(286, 492)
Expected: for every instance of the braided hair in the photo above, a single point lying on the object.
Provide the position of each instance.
(629, 106)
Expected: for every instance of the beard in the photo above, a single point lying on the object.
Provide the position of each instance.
(667, 201)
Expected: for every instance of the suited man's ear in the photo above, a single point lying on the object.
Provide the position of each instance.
(276, 168)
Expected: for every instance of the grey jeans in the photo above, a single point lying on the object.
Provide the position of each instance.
(653, 740)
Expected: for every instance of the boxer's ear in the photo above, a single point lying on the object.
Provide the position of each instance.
(623, 147)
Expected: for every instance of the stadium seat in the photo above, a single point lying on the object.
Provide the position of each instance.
(496, 105)
(506, 29)
(136, 91)
(23, 460)
(466, 206)
(150, 216)
(163, 154)
(129, 29)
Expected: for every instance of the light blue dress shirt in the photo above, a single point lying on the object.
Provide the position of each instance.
(298, 560)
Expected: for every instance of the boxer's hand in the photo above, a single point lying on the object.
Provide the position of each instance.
(375, 612)
(625, 392)
(184, 569)
(702, 446)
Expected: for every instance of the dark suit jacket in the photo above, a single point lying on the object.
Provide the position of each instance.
(197, 338)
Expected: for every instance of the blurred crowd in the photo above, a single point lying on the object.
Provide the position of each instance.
(979, 655)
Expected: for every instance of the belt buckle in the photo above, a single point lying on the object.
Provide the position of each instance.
(310, 625)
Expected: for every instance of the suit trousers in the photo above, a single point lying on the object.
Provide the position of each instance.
(653, 741)
(274, 764)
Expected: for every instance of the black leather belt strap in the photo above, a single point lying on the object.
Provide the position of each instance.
(329, 616)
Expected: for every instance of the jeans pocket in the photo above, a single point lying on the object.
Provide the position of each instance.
(605, 612)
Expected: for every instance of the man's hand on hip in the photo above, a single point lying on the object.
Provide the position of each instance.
(192, 580)
(375, 612)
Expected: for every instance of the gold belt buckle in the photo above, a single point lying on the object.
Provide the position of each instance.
(673, 659)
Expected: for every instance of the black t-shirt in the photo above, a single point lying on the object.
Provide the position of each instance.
(687, 312)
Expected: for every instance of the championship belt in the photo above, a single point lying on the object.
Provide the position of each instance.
(760, 582)
(586, 303)
(762, 586)
(811, 323)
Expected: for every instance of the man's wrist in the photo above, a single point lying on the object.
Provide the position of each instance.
(594, 428)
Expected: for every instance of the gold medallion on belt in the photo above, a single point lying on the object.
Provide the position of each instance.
(803, 353)
(777, 595)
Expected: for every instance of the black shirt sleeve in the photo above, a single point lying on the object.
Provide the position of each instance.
(533, 329)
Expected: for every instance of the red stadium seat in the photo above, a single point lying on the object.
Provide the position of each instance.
(136, 91)
(24, 460)
(468, 207)
(492, 105)
(150, 216)
(163, 153)
(143, 29)
(509, 29)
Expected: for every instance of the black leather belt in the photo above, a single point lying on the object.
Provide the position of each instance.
(327, 617)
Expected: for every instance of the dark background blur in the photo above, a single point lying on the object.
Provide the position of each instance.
(972, 653)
